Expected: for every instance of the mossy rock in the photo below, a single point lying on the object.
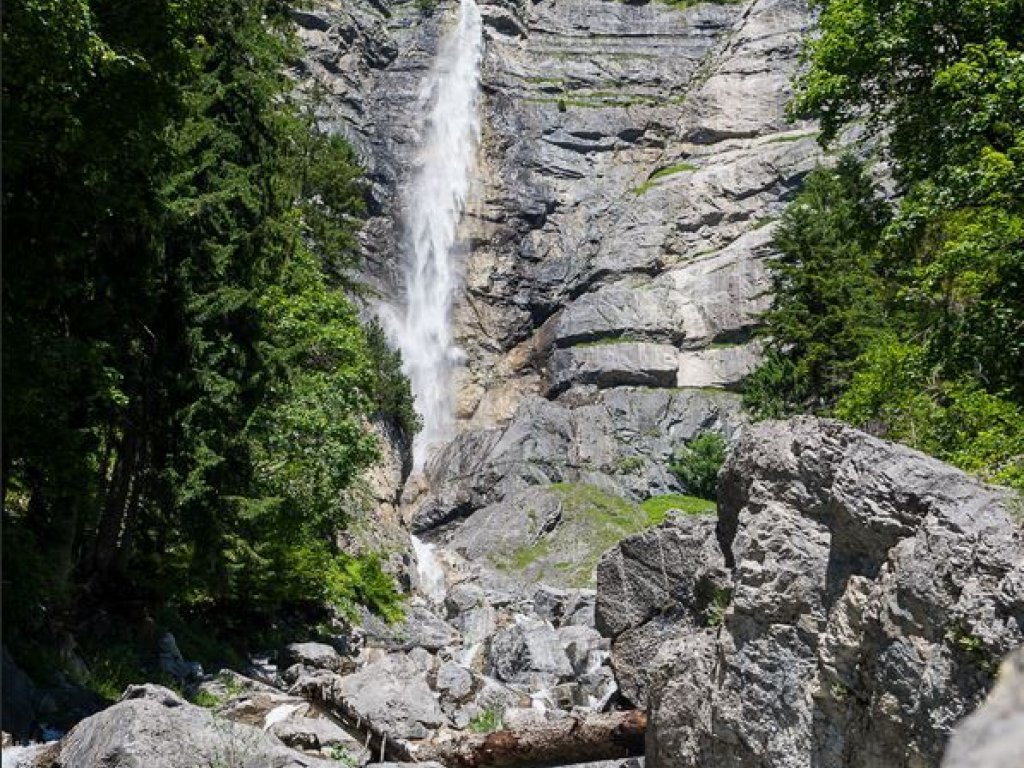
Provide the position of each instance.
(563, 549)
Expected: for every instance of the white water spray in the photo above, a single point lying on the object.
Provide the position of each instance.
(430, 579)
(435, 203)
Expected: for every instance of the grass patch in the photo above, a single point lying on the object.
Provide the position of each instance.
(657, 507)
(207, 700)
(629, 464)
(608, 341)
(592, 521)
(662, 173)
(525, 556)
(487, 721)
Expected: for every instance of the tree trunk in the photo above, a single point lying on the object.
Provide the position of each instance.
(572, 740)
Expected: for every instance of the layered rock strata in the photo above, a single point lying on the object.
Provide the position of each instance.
(634, 159)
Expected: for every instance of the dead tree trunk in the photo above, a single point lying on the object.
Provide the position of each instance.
(573, 740)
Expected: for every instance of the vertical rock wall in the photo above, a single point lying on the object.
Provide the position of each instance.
(634, 159)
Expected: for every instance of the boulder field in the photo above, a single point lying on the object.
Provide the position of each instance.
(849, 607)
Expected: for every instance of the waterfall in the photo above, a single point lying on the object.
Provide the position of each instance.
(430, 581)
(434, 205)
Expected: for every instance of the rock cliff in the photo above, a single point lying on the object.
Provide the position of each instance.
(848, 609)
(634, 157)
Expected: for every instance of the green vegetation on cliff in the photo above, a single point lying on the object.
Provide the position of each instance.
(905, 315)
(186, 386)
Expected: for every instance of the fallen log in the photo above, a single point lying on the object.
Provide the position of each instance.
(574, 739)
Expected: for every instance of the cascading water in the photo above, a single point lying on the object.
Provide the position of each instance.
(435, 203)
(430, 581)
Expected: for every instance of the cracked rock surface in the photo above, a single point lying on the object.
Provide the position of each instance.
(849, 608)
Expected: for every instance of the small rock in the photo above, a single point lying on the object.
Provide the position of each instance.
(454, 682)
(993, 736)
(313, 656)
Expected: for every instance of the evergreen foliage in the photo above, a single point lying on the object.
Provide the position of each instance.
(696, 464)
(186, 386)
(910, 321)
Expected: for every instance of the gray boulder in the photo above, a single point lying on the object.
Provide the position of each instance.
(419, 628)
(529, 650)
(313, 734)
(152, 727)
(454, 682)
(993, 736)
(655, 589)
(313, 656)
(391, 693)
(872, 590)
(172, 662)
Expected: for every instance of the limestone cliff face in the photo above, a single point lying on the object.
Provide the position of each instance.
(633, 159)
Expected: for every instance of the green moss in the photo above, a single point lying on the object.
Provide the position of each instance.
(662, 173)
(628, 464)
(657, 507)
(206, 699)
(592, 522)
(523, 557)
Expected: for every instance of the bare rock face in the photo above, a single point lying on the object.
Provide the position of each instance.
(634, 156)
(546, 495)
(859, 601)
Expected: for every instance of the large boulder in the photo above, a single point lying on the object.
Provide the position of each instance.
(873, 589)
(391, 694)
(152, 727)
(655, 589)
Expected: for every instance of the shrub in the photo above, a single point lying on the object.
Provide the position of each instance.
(697, 463)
